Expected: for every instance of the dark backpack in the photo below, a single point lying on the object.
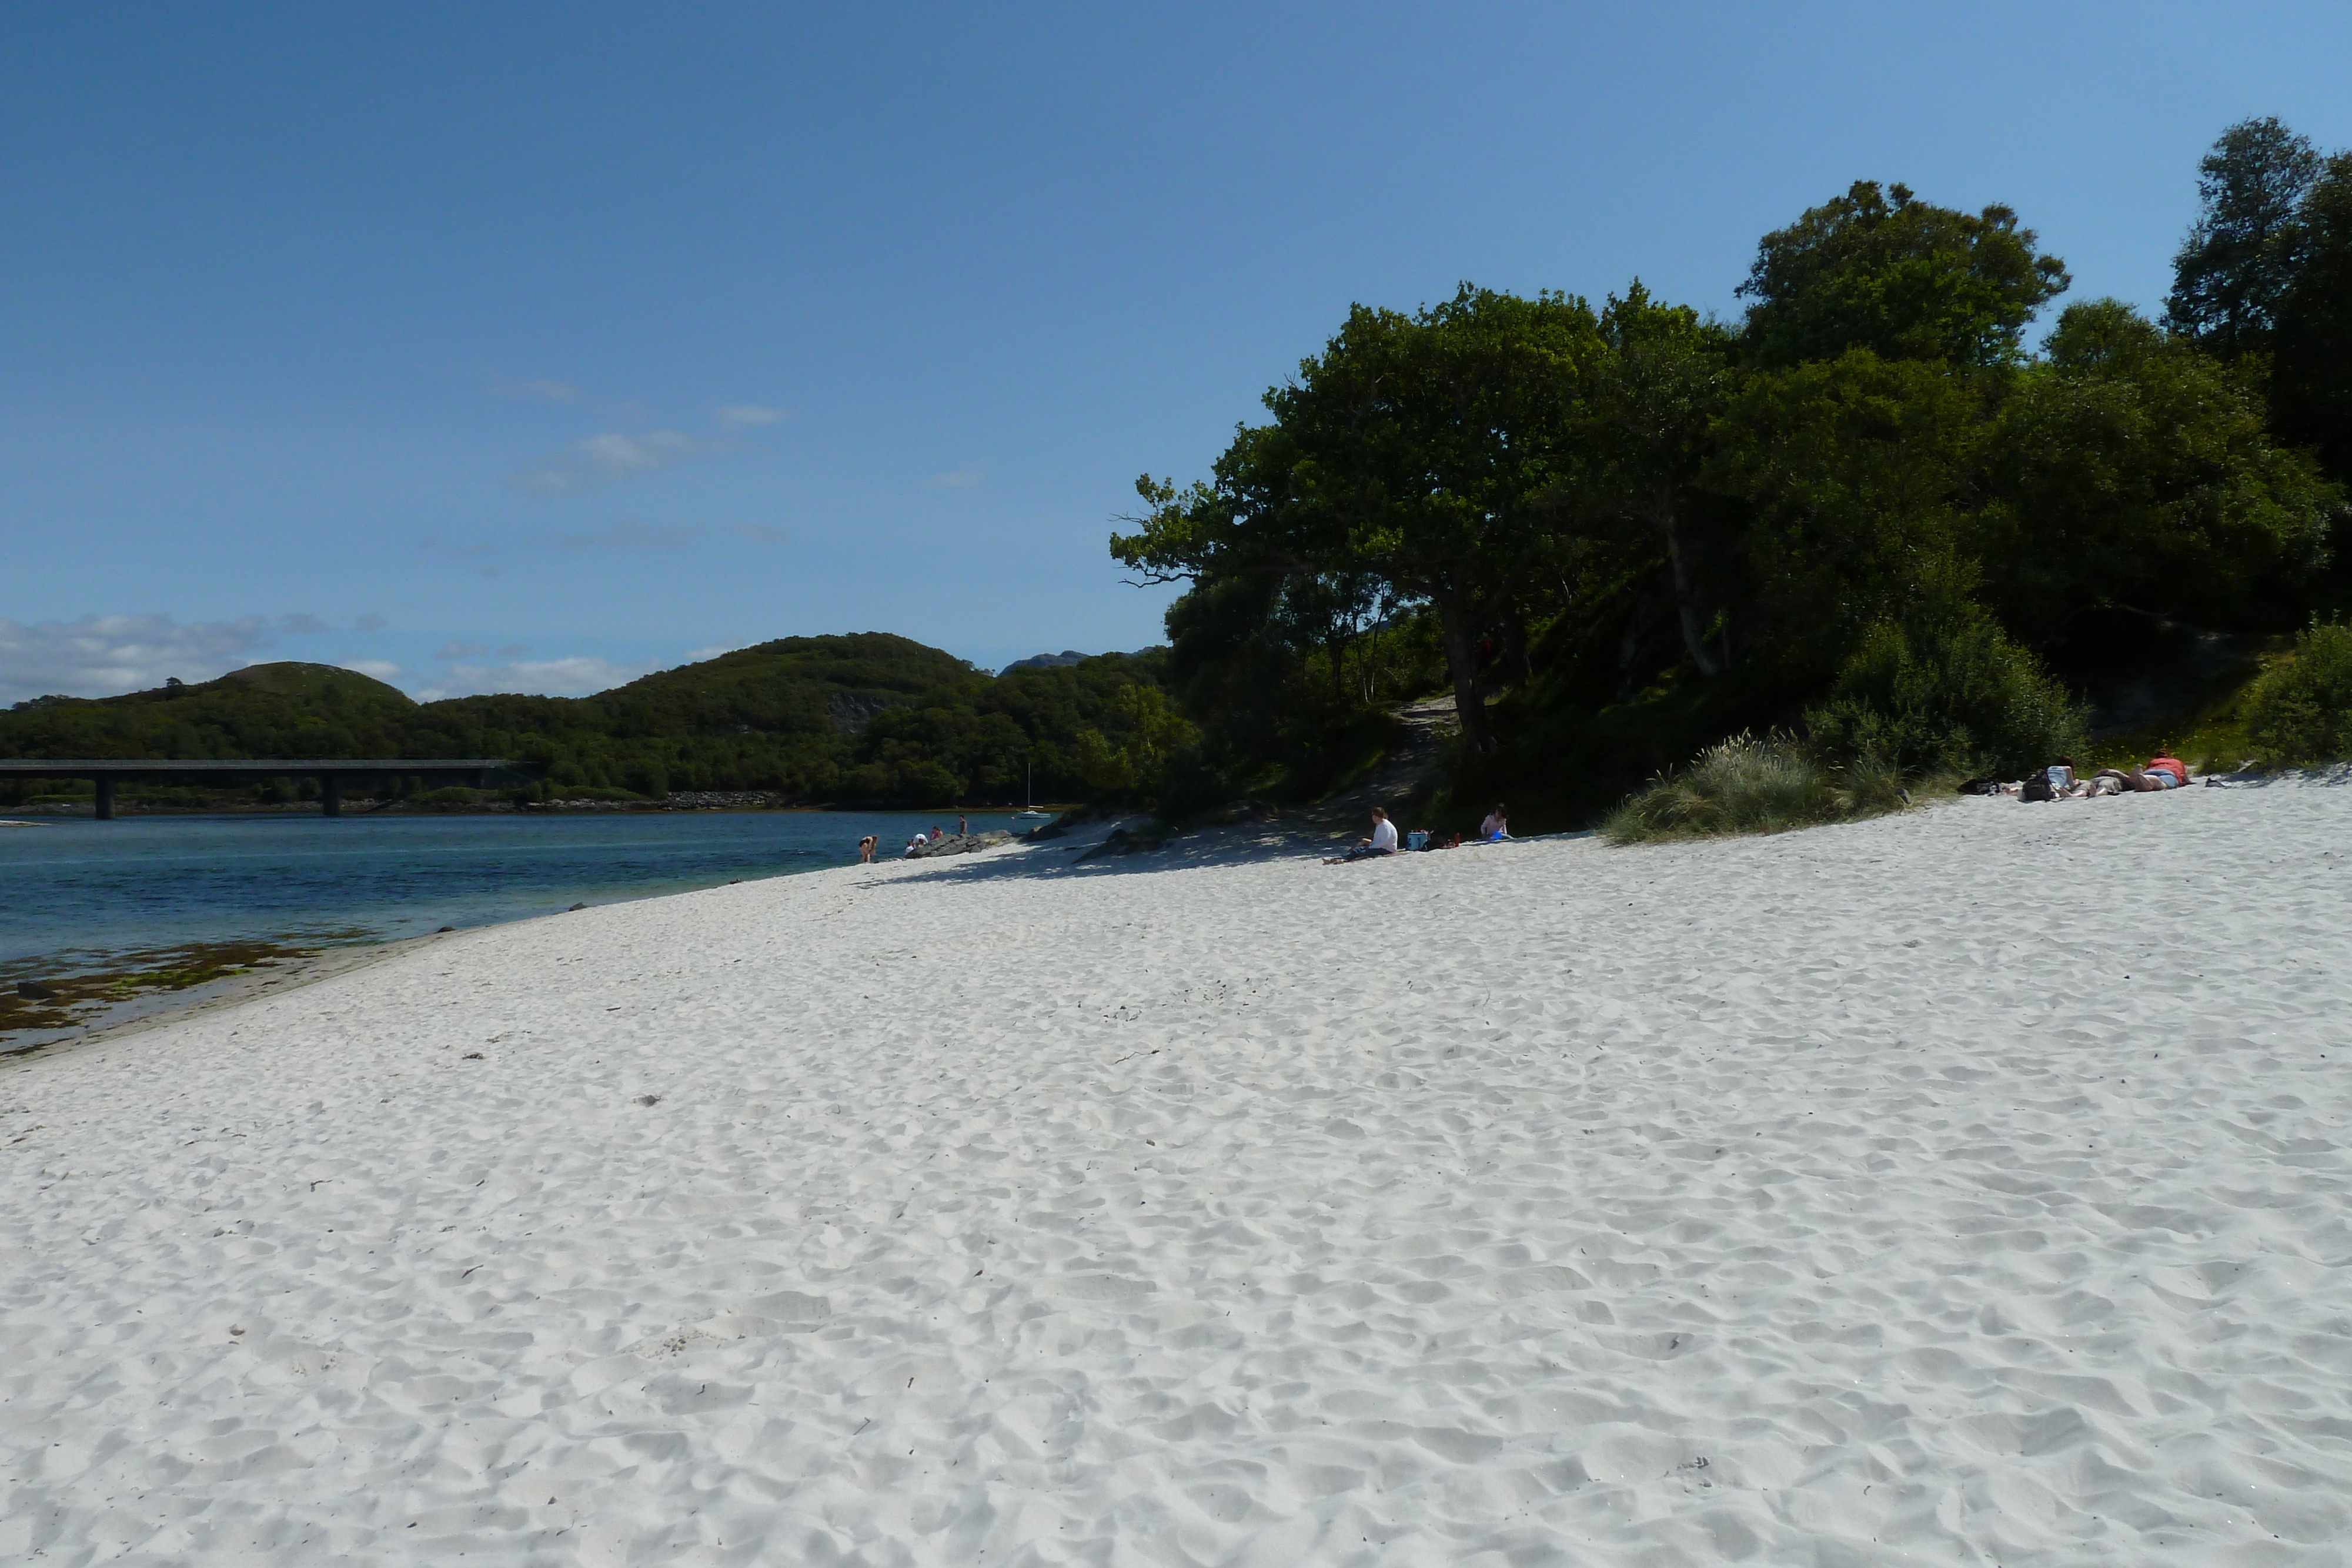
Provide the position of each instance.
(2037, 787)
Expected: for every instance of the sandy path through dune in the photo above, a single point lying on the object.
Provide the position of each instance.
(1963, 1188)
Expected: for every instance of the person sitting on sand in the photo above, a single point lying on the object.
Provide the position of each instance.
(1383, 841)
(1498, 825)
(917, 845)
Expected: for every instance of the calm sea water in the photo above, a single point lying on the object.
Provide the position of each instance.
(83, 886)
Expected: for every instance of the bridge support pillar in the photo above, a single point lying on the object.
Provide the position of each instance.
(330, 795)
(106, 797)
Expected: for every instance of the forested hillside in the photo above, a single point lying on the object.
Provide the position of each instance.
(869, 719)
(1876, 512)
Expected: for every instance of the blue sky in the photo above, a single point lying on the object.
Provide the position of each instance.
(530, 346)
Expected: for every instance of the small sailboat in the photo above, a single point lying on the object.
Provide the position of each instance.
(1029, 816)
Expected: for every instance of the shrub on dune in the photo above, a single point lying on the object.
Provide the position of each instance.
(1948, 693)
(2302, 712)
(1747, 785)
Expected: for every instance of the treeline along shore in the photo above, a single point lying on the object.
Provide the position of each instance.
(1877, 523)
(868, 720)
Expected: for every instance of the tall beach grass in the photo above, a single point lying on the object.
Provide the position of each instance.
(1751, 785)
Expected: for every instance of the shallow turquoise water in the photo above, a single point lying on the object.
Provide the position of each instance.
(81, 886)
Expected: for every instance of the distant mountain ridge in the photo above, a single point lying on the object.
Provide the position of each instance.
(867, 719)
(1045, 661)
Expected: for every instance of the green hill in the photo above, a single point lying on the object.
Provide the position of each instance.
(867, 719)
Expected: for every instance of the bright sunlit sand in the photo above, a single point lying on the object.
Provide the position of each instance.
(1963, 1188)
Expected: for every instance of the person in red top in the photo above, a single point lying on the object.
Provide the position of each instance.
(2165, 772)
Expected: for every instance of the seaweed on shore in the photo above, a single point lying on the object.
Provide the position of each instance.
(62, 991)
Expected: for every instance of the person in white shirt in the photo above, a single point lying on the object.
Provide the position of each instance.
(1497, 824)
(1383, 841)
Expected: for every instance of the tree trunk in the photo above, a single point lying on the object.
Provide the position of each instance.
(1462, 663)
(1694, 635)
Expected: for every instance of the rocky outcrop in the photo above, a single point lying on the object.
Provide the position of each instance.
(956, 844)
(852, 711)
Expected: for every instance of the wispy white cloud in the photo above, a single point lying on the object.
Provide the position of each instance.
(956, 479)
(748, 416)
(452, 651)
(614, 459)
(370, 623)
(572, 677)
(543, 391)
(629, 533)
(102, 656)
(624, 534)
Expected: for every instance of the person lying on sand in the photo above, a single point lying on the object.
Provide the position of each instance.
(1383, 841)
(2159, 773)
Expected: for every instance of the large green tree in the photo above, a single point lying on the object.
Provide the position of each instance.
(1878, 269)
(1857, 469)
(2240, 258)
(2311, 377)
(2131, 471)
(1664, 380)
(1424, 453)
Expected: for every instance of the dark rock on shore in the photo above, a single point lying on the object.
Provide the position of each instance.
(957, 844)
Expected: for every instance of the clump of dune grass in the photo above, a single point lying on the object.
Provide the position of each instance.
(1747, 785)
(2301, 711)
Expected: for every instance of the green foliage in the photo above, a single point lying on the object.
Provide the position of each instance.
(2301, 712)
(2131, 470)
(2311, 377)
(1416, 461)
(1867, 512)
(1946, 692)
(1855, 468)
(1878, 270)
(1745, 785)
(267, 710)
(2240, 258)
(868, 720)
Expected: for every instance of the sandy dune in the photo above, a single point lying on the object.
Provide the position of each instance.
(1964, 1188)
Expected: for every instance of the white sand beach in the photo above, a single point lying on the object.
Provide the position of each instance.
(1970, 1187)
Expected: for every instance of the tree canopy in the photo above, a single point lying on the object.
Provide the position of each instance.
(2240, 259)
(1866, 512)
(1879, 269)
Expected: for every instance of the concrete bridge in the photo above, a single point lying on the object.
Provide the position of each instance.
(334, 774)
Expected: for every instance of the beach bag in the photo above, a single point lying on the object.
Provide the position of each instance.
(2037, 787)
